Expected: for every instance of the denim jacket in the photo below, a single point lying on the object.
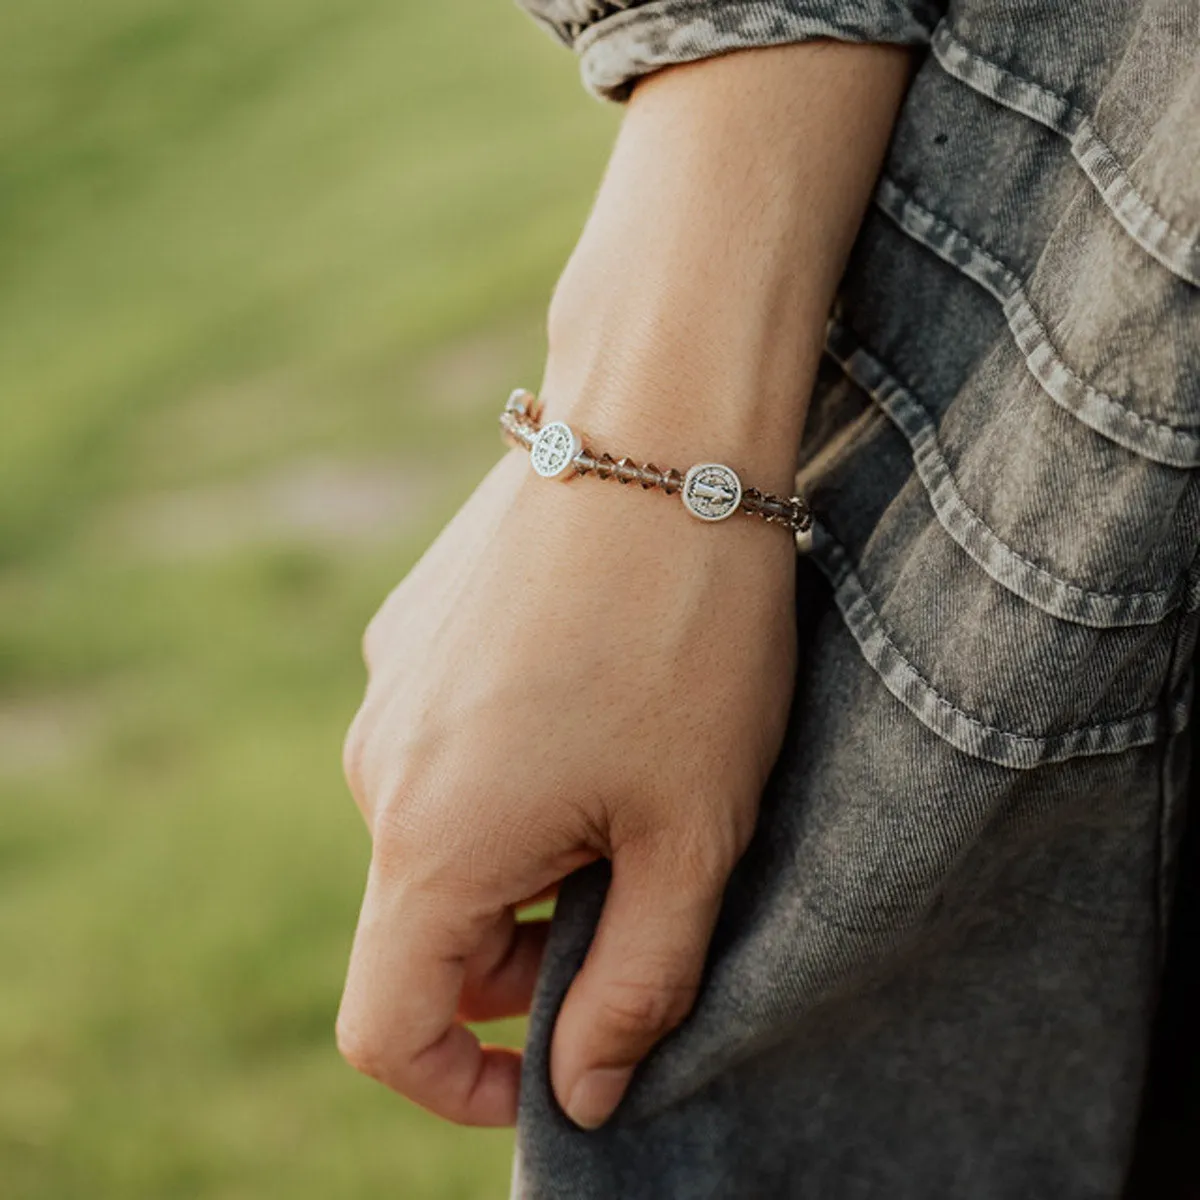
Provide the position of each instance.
(937, 964)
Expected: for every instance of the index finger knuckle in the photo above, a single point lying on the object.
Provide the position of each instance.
(361, 1048)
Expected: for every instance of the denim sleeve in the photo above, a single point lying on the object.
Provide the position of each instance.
(618, 41)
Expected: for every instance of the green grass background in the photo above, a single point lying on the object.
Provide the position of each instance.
(267, 270)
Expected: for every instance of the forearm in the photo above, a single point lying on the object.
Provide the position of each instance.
(690, 316)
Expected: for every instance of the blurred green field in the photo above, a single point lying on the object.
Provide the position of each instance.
(267, 269)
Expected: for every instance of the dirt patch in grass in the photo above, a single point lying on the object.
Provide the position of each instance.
(43, 733)
(327, 503)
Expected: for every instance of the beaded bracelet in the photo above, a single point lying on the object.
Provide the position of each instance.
(710, 491)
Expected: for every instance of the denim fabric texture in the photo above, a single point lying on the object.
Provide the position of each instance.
(936, 967)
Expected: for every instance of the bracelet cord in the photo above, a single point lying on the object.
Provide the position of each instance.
(521, 420)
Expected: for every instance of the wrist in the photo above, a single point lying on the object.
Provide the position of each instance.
(676, 403)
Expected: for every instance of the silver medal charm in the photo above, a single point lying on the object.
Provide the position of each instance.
(711, 491)
(553, 449)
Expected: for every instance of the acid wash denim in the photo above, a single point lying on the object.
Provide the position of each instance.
(936, 967)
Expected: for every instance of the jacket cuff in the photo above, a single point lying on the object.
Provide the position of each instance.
(619, 41)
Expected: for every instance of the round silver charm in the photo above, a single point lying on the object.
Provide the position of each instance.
(711, 491)
(553, 449)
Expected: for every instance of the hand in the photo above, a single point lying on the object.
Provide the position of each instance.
(579, 669)
(574, 669)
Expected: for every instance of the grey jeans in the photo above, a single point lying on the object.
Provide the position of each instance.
(937, 964)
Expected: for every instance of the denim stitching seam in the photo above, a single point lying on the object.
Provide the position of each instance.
(1171, 445)
(1015, 750)
(952, 508)
(1135, 214)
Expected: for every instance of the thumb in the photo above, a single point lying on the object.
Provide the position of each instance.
(639, 979)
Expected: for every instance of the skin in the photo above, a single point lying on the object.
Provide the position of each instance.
(576, 669)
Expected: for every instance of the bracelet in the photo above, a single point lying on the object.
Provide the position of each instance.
(711, 491)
